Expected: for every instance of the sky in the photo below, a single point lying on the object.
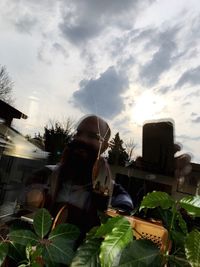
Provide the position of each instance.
(128, 61)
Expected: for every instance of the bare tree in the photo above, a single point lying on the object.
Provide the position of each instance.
(6, 86)
(66, 123)
(130, 146)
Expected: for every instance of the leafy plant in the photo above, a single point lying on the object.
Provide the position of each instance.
(187, 251)
(42, 244)
(112, 244)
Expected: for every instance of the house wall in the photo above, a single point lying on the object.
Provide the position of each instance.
(138, 182)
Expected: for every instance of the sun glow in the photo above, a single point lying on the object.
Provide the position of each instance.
(148, 106)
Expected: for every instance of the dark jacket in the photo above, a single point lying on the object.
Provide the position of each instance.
(49, 181)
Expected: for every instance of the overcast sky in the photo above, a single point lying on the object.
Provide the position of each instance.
(128, 61)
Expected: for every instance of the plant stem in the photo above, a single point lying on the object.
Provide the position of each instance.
(166, 252)
(173, 217)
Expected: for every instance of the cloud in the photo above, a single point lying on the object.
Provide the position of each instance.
(162, 59)
(59, 48)
(193, 94)
(163, 90)
(26, 24)
(103, 95)
(26, 15)
(187, 137)
(83, 20)
(191, 76)
(196, 120)
(49, 52)
(186, 104)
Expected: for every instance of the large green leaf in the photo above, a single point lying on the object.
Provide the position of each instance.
(140, 253)
(92, 232)
(157, 199)
(16, 251)
(107, 227)
(68, 231)
(88, 254)
(58, 251)
(3, 251)
(42, 222)
(115, 242)
(192, 248)
(191, 204)
(23, 237)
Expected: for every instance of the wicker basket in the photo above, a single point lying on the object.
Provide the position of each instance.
(153, 231)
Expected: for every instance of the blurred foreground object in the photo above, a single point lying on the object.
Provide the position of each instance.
(8, 113)
(158, 146)
(13, 144)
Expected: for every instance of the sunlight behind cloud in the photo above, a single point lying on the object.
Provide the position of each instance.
(148, 106)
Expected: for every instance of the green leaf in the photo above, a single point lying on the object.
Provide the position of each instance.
(87, 255)
(35, 264)
(92, 232)
(37, 252)
(3, 251)
(23, 237)
(58, 251)
(178, 239)
(157, 199)
(141, 253)
(115, 241)
(42, 222)
(174, 261)
(107, 227)
(191, 204)
(16, 251)
(182, 224)
(68, 231)
(192, 248)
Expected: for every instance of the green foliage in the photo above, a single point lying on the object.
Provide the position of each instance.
(58, 251)
(157, 199)
(3, 251)
(177, 227)
(111, 244)
(56, 136)
(141, 253)
(192, 248)
(191, 204)
(107, 227)
(117, 154)
(115, 241)
(23, 237)
(64, 231)
(88, 254)
(32, 256)
(182, 224)
(16, 252)
(57, 247)
(105, 245)
(42, 222)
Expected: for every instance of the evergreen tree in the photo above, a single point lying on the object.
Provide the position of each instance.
(56, 137)
(117, 154)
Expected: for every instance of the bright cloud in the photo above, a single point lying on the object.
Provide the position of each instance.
(125, 60)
